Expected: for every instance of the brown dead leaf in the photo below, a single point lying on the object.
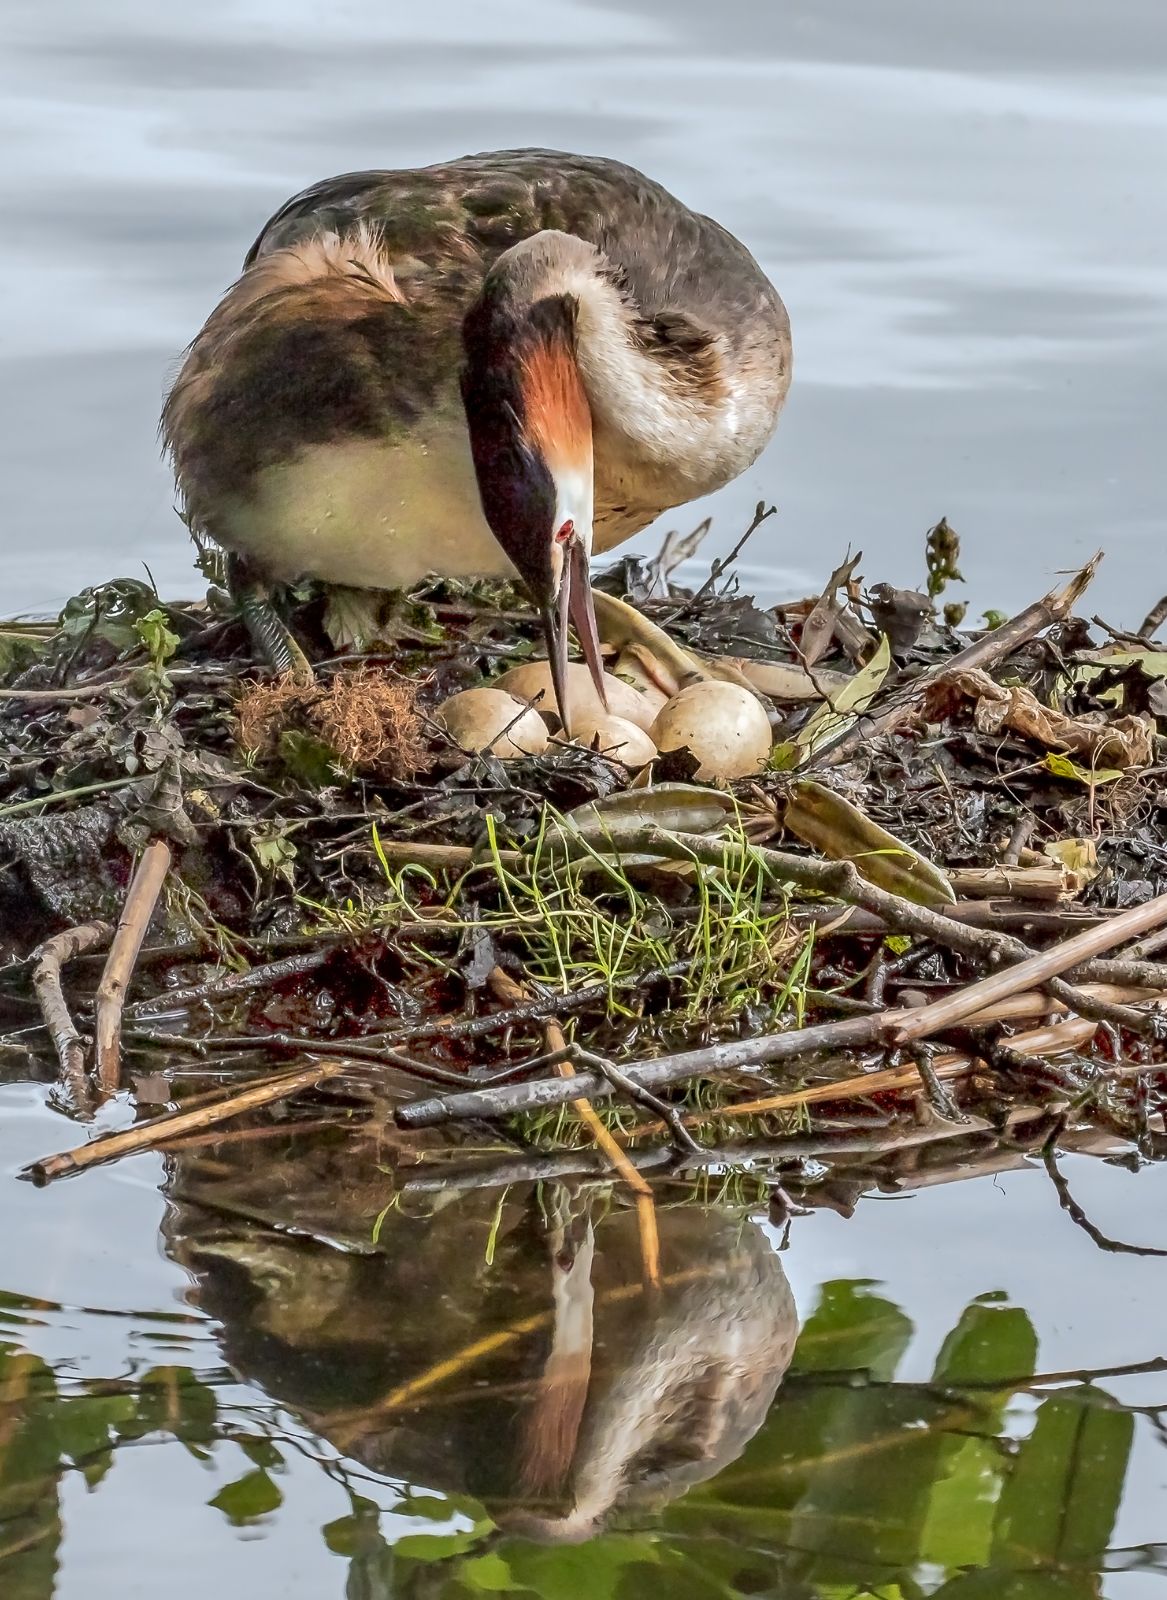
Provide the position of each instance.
(1123, 742)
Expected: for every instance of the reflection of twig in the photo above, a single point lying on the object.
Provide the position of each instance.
(1068, 1203)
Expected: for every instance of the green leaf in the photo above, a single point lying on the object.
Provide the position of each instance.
(158, 639)
(852, 1330)
(171, 1399)
(832, 825)
(833, 718)
(1153, 662)
(248, 1498)
(1060, 1501)
(785, 757)
(439, 1546)
(988, 1344)
(958, 1529)
(592, 1571)
(488, 1574)
(1062, 767)
(262, 1451)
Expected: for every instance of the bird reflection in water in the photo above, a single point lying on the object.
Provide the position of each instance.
(504, 1348)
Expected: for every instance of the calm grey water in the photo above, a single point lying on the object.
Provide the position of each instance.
(963, 207)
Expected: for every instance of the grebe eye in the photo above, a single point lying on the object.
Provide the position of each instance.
(565, 532)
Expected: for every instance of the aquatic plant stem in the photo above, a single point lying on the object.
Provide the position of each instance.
(141, 898)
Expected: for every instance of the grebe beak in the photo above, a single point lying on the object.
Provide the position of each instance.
(573, 603)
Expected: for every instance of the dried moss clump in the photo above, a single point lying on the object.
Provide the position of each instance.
(369, 718)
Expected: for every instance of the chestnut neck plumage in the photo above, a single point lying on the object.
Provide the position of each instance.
(554, 303)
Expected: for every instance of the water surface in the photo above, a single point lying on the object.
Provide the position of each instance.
(964, 210)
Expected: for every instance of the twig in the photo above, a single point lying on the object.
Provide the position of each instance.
(1069, 1204)
(141, 898)
(50, 957)
(844, 922)
(533, 1010)
(1154, 619)
(1018, 839)
(886, 1081)
(1032, 972)
(232, 983)
(719, 566)
(508, 990)
(668, 1114)
(84, 691)
(147, 1134)
(351, 1050)
(985, 652)
(66, 794)
(455, 857)
(731, 1056)
(941, 1101)
(1051, 883)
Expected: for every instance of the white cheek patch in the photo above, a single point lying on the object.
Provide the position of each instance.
(573, 503)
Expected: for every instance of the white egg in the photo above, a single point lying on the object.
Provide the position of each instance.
(476, 718)
(632, 672)
(618, 738)
(623, 700)
(721, 723)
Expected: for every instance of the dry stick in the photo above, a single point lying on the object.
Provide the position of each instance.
(955, 1064)
(456, 857)
(842, 878)
(985, 652)
(731, 1056)
(232, 983)
(886, 1081)
(1018, 839)
(845, 922)
(530, 1010)
(50, 957)
(141, 898)
(145, 1135)
(513, 994)
(84, 691)
(1036, 970)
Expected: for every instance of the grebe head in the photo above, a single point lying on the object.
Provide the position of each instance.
(531, 438)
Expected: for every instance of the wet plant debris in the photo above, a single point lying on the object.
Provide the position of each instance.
(914, 938)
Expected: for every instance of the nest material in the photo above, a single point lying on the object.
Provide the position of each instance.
(367, 717)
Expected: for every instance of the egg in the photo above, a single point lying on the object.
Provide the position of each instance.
(623, 701)
(721, 723)
(632, 672)
(618, 738)
(476, 718)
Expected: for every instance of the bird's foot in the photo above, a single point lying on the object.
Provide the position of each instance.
(270, 634)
